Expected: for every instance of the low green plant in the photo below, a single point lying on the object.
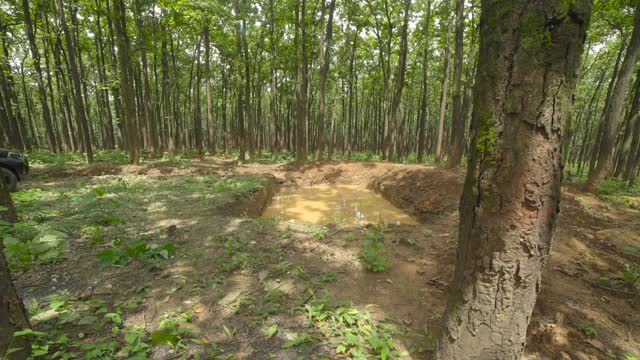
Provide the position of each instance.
(104, 204)
(121, 252)
(328, 276)
(273, 301)
(629, 277)
(171, 331)
(588, 329)
(298, 340)
(355, 334)
(27, 243)
(374, 249)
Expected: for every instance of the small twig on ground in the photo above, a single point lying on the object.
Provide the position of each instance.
(613, 289)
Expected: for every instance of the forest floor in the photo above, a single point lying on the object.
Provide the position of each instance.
(171, 260)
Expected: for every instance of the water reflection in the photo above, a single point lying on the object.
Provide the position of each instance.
(340, 204)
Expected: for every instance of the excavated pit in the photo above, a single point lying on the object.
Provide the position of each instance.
(343, 204)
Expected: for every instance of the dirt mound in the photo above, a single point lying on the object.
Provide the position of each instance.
(421, 192)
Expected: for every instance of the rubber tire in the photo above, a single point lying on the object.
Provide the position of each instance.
(9, 178)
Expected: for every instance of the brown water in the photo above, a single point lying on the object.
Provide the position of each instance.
(340, 204)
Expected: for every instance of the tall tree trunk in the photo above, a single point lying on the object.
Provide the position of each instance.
(634, 115)
(523, 97)
(35, 55)
(399, 85)
(614, 111)
(458, 122)
(149, 118)
(425, 87)
(77, 85)
(301, 84)
(126, 81)
(241, 87)
(325, 59)
(273, 90)
(445, 92)
(167, 111)
(211, 126)
(248, 113)
(7, 115)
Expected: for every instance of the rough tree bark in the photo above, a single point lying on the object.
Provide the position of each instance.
(399, 83)
(458, 122)
(613, 114)
(13, 316)
(528, 57)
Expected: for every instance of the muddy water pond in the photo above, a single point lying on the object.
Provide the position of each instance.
(344, 204)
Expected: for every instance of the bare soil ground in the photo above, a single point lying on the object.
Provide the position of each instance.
(265, 272)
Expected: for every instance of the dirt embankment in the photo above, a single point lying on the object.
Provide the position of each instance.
(420, 192)
(250, 205)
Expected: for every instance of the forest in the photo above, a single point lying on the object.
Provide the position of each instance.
(319, 179)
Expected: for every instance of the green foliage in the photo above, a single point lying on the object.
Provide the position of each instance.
(68, 319)
(587, 329)
(328, 276)
(171, 331)
(616, 187)
(374, 249)
(48, 157)
(104, 204)
(123, 251)
(28, 244)
(629, 277)
(303, 338)
(272, 302)
(354, 332)
(270, 331)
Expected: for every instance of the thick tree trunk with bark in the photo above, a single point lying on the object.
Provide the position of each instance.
(399, 81)
(458, 122)
(613, 114)
(13, 316)
(523, 97)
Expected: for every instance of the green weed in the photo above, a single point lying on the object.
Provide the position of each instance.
(373, 252)
(354, 333)
(123, 251)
